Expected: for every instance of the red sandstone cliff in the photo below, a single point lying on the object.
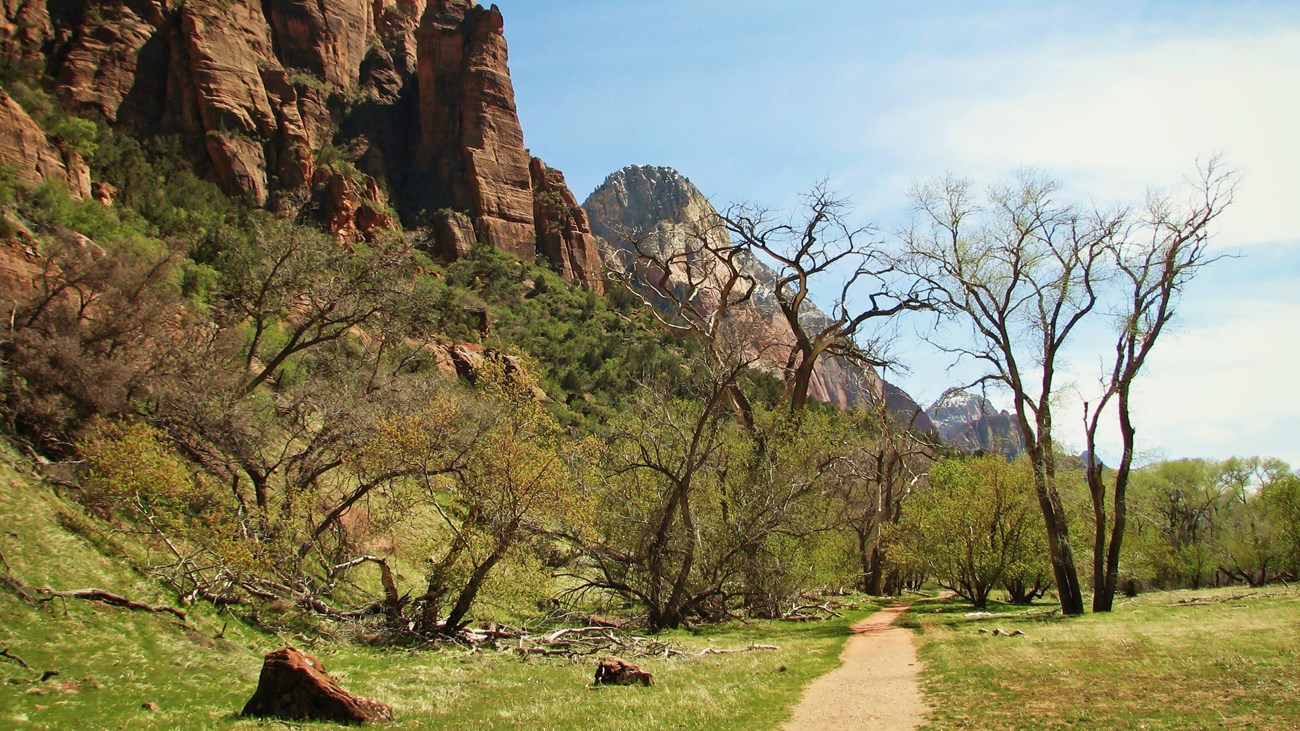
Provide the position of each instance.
(415, 97)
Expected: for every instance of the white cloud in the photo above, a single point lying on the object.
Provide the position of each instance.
(1113, 121)
(1216, 388)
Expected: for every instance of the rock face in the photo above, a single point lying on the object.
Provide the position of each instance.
(414, 96)
(294, 686)
(471, 144)
(661, 203)
(968, 421)
(25, 146)
(563, 232)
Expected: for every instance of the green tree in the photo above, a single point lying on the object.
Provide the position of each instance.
(517, 479)
(1282, 498)
(974, 526)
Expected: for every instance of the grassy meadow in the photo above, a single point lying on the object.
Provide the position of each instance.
(199, 673)
(1209, 659)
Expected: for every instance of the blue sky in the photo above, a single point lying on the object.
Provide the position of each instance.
(755, 101)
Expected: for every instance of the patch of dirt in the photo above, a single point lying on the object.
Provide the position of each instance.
(875, 686)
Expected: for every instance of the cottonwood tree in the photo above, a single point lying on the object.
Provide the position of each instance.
(1155, 253)
(282, 383)
(776, 501)
(1188, 500)
(695, 514)
(1251, 543)
(1282, 500)
(649, 542)
(973, 527)
(879, 471)
(1022, 270)
(518, 480)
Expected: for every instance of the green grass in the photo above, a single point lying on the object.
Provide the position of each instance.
(1154, 663)
(111, 661)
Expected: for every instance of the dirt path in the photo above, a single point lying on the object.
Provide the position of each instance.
(874, 688)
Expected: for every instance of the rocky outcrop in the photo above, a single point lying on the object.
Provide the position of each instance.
(563, 231)
(969, 422)
(667, 210)
(352, 208)
(25, 147)
(467, 361)
(294, 686)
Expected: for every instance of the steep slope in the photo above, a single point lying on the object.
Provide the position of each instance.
(109, 660)
(663, 203)
(345, 108)
(968, 421)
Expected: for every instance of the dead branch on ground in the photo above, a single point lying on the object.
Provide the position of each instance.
(105, 597)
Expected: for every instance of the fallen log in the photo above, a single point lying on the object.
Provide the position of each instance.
(805, 613)
(614, 671)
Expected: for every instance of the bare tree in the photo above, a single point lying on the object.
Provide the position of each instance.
(1157, 256)
(820, 244)
(1022, 272)
(696, 283)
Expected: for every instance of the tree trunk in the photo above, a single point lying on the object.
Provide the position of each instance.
(470, 592)
(1058, 535)
(1038, 444)
(1103, 599)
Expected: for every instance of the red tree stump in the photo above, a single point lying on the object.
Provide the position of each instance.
(613, 671)
(295, 686)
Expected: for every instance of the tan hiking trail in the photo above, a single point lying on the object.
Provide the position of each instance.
(875, 686)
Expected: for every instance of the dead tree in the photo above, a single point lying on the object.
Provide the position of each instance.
(821, 244)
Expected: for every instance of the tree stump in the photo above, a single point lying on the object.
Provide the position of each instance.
(613, 671)
(295, 686)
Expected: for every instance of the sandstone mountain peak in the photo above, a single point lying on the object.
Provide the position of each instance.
(641, 197)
